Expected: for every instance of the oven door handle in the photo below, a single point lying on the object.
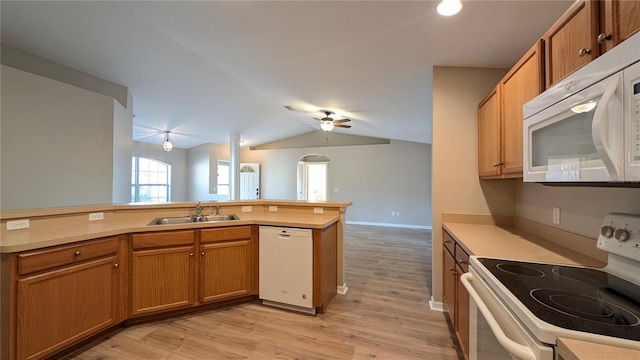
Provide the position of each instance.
(515, 349)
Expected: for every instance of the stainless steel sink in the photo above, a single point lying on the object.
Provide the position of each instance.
(192, 219)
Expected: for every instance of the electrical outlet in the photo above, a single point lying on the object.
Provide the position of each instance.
(336, 189)
(96, 216)
(556, 215)
(273, 208)
(393, 213)
(318, 210)
(246, 209)
(398, 213)
(18, 224)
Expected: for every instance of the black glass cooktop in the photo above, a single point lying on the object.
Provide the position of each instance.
(580, 299)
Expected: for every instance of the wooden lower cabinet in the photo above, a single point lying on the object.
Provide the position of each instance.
(455, 296)
(59, 306)
(226, 270)
(162, 279)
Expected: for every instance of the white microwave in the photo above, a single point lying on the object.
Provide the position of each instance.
(586, 128)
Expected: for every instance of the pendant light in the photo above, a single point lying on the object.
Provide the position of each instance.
(167, 145)
(449, 7)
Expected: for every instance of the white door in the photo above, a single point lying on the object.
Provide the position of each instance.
(316, 181)
(249, 181)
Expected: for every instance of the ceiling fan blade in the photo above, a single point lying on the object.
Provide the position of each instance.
(317, 119)
(341, 121)
(342, 125)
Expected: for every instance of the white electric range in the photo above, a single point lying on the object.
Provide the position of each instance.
(519, 309)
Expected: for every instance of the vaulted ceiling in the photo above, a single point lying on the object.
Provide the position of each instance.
(204, 70)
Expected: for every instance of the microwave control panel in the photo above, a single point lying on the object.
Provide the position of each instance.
(635, 121)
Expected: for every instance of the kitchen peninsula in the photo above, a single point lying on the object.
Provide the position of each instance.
(78, 272)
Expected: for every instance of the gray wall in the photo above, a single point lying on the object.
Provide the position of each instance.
(202, 170)
(56, 143)
(378, 179)
(582, 209)
(177, 158)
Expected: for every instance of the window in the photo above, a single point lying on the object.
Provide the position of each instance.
(223, 177)
(150, 180)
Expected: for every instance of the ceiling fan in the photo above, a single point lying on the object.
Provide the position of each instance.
(327, 123)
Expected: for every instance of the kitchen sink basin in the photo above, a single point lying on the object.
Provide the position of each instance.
(192, 219)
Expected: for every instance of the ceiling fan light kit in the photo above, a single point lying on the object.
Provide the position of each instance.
(449, 7)
(327, 123)
(167, 145)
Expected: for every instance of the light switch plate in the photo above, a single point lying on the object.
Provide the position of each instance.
(246, 209)
(18, 224)
(273, 208)
(318, 210)
(96, 216)
(556, 215)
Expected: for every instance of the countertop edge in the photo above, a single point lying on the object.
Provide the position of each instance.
(83, 235)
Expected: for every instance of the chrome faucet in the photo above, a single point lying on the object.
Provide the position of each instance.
(199, 209)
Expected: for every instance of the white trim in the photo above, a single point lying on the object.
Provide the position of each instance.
(408, 226)
(436, 305)
(342, 290)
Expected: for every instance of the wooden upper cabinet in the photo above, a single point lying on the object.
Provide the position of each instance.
(522, 83)
(489, 161)
(571, 42)
(618, 21)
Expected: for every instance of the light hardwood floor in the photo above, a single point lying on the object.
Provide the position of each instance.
(384, 315)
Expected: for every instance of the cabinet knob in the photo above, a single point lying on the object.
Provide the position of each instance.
(447, 241)
(499, 163)
(190, 254)
(116, 265)
(452, 271)
(462, 262)
(583, 52)
(77, 253)
(602, 37)
(202, 253)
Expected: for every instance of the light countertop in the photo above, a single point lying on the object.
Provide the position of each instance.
(69, 232)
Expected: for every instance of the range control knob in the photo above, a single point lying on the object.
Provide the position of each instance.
(621, 234)
(606, 231)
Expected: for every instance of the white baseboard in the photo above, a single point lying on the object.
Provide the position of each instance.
(436, 305)
(342, 290)
(408, 226)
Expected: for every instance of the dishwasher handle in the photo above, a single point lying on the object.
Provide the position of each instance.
(518, 350)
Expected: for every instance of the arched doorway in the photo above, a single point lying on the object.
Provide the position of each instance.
(313, 178)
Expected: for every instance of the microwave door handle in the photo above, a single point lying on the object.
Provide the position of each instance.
(515, 349)
(600, 117)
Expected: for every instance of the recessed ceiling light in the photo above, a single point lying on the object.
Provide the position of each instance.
(449, 7)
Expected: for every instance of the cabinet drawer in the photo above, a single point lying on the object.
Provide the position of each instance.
(226, 233)
(448, 242)
(462, 258)
(59, 256)
(164, 238)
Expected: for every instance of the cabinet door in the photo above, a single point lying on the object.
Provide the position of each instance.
(521, 84)
(162, 279)
(60, 307)
(571, 42)
(620, 20)
(449, 285)
(489, 134)
(226, 270)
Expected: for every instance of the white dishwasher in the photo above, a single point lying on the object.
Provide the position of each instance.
(286, 268)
